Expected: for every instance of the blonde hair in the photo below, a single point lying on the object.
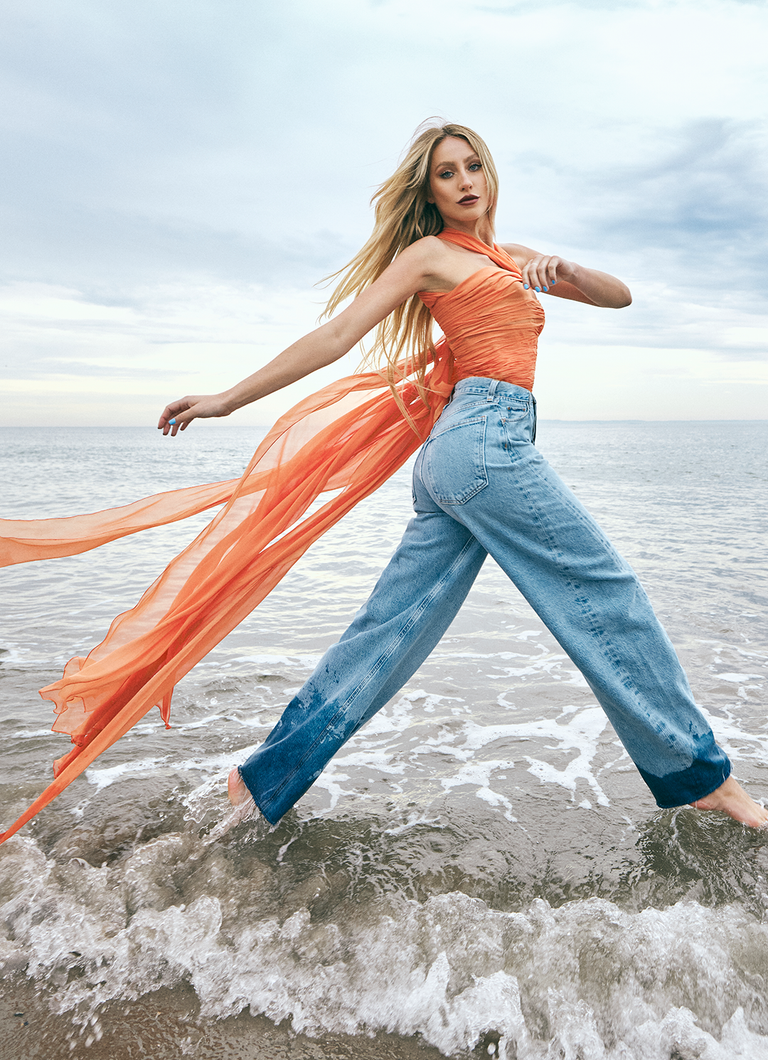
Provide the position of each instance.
(403, 341)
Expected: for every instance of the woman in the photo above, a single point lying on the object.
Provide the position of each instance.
(479, 487)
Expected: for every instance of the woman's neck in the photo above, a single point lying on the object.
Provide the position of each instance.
(480, 230)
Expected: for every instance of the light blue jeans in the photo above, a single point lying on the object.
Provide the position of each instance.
(480, 487)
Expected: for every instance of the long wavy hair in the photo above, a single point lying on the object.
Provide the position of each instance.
(403, 341)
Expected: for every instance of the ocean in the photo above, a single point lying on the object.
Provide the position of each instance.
(481, 871)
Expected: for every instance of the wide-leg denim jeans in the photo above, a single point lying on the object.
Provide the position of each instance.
(481, 487)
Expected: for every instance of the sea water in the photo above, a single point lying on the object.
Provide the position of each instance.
(479, 872)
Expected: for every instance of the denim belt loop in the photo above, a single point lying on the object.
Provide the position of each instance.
(491, 395)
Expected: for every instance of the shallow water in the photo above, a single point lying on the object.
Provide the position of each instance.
(481, 871)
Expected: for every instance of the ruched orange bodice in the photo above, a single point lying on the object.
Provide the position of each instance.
(492, 324)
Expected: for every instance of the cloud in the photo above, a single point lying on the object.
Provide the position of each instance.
(686, 227)
(701, 194)
(190, 165)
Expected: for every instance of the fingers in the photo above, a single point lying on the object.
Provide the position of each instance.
(175, 417)
(179, 414)
(541, 272)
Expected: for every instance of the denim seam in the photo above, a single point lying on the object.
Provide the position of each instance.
(394, 643)
(510, 447)
(600, 637)
(570, 582)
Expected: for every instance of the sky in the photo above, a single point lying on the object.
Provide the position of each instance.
(178, 174)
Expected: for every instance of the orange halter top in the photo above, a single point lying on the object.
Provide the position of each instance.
(348, 438)
(491, 323)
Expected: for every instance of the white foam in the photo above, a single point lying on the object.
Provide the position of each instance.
(734, 740)
(104, 776)
(606, 984)
(14, 656)
(582, 733)
(478, 776)
(740, 678)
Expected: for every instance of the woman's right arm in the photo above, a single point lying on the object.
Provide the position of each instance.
(408, 273)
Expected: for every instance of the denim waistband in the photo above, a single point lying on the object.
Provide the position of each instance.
(490, 388)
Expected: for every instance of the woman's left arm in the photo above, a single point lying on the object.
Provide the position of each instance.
(567, 279)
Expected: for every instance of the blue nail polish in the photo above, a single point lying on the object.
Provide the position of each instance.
(537, 290)
(525, 286)
(544, 288)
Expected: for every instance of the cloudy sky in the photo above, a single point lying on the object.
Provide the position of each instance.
(177, 175)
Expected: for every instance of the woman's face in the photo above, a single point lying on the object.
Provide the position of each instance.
(457, 183)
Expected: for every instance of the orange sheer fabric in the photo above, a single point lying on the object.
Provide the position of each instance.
(342, 438)
(350, 437)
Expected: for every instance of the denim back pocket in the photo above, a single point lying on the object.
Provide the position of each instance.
(453, 467)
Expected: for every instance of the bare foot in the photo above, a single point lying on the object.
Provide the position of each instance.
(243, 807)
(731, 798)
(236, 789)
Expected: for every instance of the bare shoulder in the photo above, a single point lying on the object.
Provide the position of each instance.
(520, 254)
(423, 263)
(410, 271)
(424, 252)
(418, 258)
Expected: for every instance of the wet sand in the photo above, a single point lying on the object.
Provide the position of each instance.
(166, 1026)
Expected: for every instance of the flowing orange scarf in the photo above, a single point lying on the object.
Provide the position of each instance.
(349, 437)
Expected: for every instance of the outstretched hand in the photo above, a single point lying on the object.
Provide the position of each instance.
(544, 270)
(179, 414)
